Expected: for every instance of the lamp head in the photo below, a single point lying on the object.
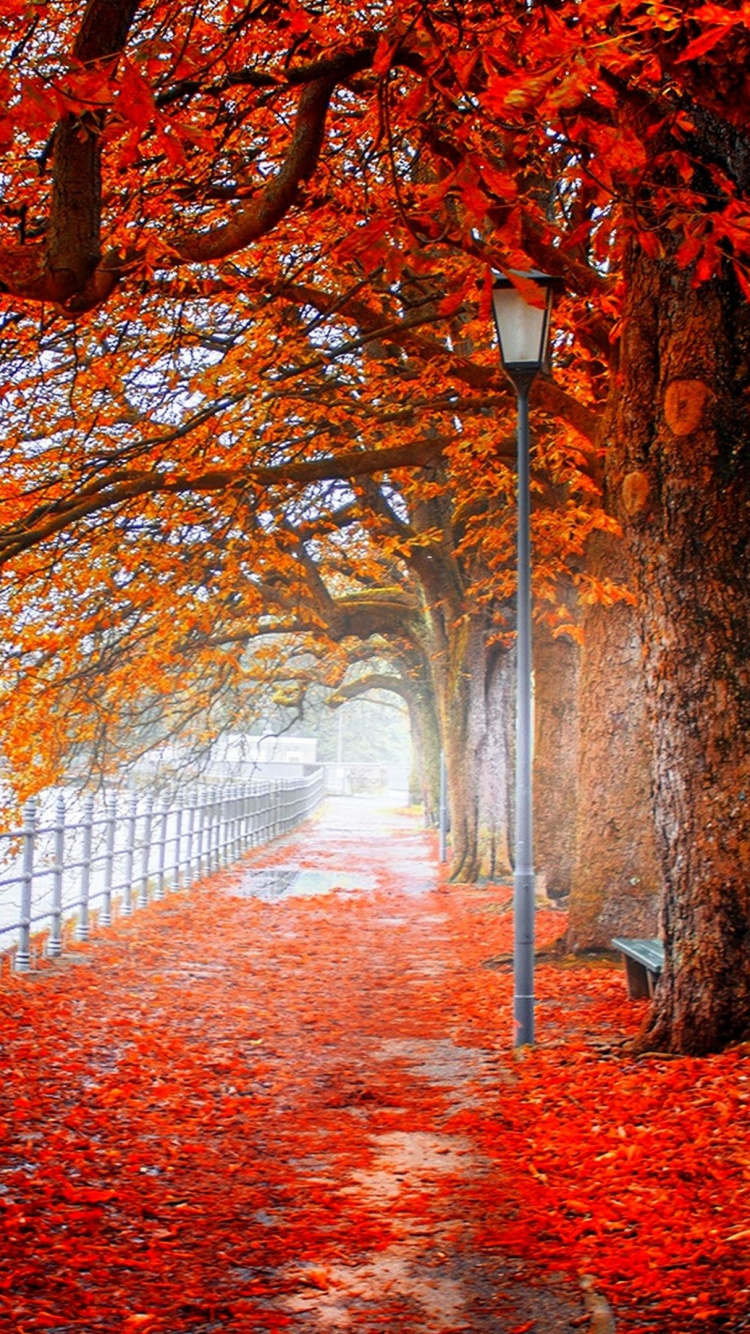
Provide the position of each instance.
(522, 306)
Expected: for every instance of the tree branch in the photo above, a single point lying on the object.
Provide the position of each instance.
(111, 492)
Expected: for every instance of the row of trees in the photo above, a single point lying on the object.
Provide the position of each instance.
(255, 432)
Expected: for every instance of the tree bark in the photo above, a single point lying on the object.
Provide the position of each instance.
(616, 881)
(474, 691)
(73, 233)
(425, 735)
(680, 466)
(556, 664)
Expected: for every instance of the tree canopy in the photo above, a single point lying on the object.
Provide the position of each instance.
(249, 388)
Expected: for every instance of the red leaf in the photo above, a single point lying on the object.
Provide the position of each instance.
(708, 40)
(134, 101)
(529, 290)
(742, 278)
(485, 301)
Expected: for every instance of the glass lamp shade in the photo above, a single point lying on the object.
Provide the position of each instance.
(523, 328)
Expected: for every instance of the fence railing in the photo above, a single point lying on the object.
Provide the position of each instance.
(121, 852)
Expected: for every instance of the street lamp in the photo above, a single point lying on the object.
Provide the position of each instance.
(522, 316)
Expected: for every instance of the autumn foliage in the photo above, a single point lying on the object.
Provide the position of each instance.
(253, 1116)
(250, 393)
(246, 261)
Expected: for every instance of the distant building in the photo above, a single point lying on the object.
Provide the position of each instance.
(239, 755)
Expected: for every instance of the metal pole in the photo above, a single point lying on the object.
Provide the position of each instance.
(87, 826)
(246, 817)
(524, 886)
(110, 812)
(148, 815)
(201, 819)
(23, 953)
(54, 941)
(162, 847)
(176, 864)
(190, 872)
(221, 827)
(442, 812)
(127, 888)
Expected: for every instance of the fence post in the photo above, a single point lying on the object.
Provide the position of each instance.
(218, 816)
(82, 926)
(177, 841)
(226, 824)
(127, 889)
(23, 954)
(221, 830)
(54, 940)
(210, 831)
(205, 834)
(148, 816)
(241, 819)
(226, 852)
(247, 837)
(190, 876)
(233, 803)
(254, 815)
(110, 823)
(200, 821)
(232, 826)
(163, 817)
(262, 799)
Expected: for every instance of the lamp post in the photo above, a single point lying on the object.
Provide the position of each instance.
(522, 316)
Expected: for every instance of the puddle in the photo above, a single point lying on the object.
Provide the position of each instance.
(271, 883)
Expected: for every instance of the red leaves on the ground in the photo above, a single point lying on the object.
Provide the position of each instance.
(237, 1115)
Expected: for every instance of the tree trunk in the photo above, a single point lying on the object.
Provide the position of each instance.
(617, 879)
(425, 735)
(474, 690)
(478, 707)
(555, 759)
(680, 465)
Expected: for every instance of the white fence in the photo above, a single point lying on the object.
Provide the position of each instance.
(108, 852)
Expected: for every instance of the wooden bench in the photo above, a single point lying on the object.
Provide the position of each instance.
(644, 960)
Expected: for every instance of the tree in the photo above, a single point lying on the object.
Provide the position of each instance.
(199, 446)
(616, 876)
(605, 142)
(683, 489)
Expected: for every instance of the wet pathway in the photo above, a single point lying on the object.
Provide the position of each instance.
(255, 1107)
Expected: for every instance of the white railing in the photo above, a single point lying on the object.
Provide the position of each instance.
(114, 854)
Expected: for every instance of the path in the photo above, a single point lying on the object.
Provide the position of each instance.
(302, 1112)
(246, 1115)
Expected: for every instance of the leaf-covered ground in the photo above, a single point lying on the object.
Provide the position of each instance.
(233, 1114)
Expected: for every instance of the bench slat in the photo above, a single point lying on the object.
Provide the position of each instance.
(648, 952)
(644, 961)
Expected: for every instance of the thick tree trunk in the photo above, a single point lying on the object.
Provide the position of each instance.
(680, 464)
(617, 878)
(478, 707)
(555, 759)
(425, 734)
(474, 691)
